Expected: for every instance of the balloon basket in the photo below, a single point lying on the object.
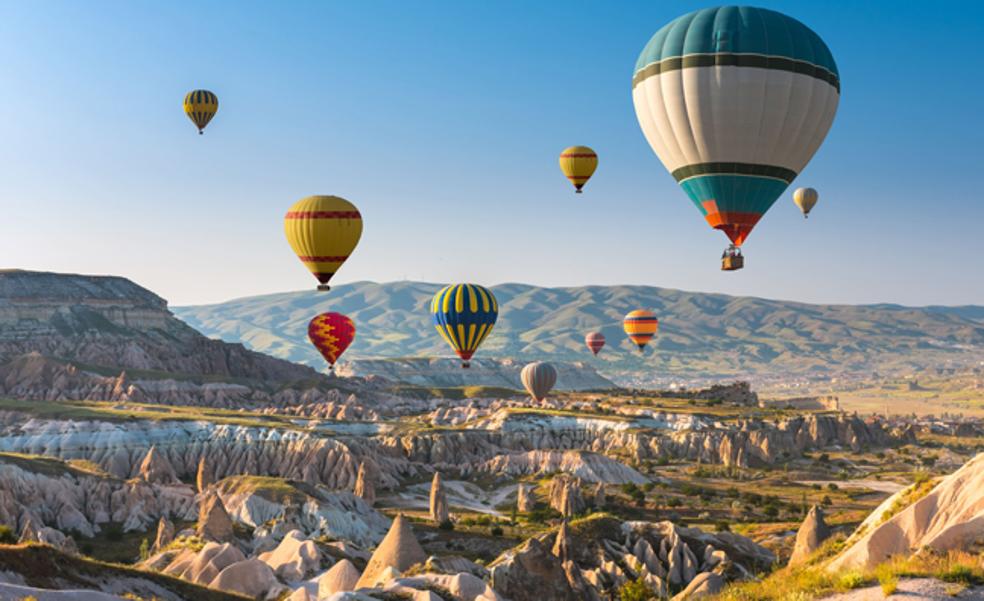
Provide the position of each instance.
(732, 263)
(465, 365)
(324, 287)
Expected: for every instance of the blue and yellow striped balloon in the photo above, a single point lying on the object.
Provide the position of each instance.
(464, 315)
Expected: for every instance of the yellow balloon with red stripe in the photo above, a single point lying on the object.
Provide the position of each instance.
(323, 231)
(578, 164)
(641, 326)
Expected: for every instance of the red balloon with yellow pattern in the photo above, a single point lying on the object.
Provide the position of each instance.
(331, 334)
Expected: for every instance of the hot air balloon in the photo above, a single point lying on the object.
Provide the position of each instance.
(323, 231)
(641, 326)
(538, 378)
(464, 315)
(331, 334)
(595, 341)
(201, 106)
(578, 163)
(806, 199)
(735, 101)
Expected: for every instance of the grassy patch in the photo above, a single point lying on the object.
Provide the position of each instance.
(270, 488)
(54, 468)
(42, 566)
(113, 545)
(920, 489)
(811, 581)
(455, 393)
(129, 412)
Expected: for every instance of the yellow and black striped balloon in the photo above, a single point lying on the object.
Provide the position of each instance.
(201, 106)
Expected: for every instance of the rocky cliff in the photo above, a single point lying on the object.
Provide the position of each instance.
(112, 323)
(591, 454)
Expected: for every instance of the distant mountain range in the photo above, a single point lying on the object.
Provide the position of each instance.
(700, 335)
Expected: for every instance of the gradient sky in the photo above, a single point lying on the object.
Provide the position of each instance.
(442, 122)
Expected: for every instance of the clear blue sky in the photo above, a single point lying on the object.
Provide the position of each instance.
(442, 122)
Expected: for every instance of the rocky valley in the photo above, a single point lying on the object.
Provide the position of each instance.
(204, 470)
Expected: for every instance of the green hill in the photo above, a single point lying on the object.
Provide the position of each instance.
(700, 334)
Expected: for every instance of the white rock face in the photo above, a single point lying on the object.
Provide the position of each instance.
(525, 499)
(339, 578)
(438, 501)
(79, 502)
(364, 488)
(398, 551)
(119, 448)
(463, 586)
(589, 467)
(294, 559)
(660, 553)
(336, 514)
(251, 578)
(13, 591)
(951, 516)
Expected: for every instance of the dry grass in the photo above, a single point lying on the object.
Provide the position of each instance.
(810, 581)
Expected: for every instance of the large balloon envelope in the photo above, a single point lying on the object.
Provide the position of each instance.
(464, 315)
(200, 106)
(331, 334)
(734, 101)
(323, 231)
(538, 379)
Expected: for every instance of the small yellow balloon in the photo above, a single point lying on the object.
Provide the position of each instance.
(578, 163)
(323, 231)
(806, 199)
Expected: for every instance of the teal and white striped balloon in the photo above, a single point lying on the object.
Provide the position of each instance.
(735, 101)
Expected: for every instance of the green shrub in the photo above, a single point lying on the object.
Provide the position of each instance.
(7, 536)
(850, 580)
(888, 580)
(635, 590)
(446, 525)
(959, 573)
